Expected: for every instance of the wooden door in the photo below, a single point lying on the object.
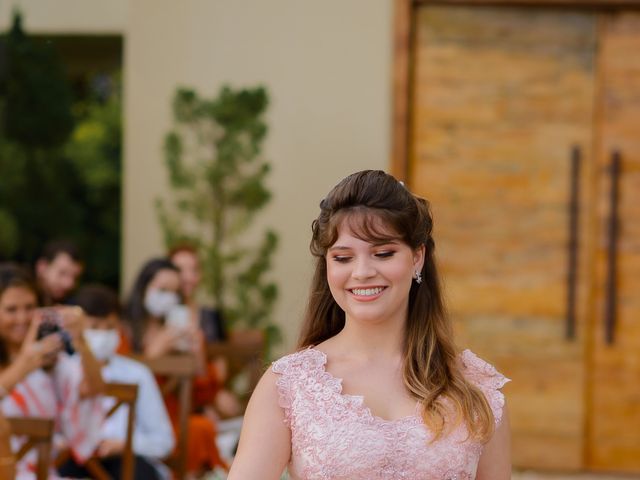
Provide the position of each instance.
(614, 362)
(500, 96)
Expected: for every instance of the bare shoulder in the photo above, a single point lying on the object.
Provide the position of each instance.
(265, 441)
(267, 385)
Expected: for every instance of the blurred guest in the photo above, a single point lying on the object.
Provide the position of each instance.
(185, 257)
(39, 374)
(153, 437)
(159, 326)
(155, 294)
(58, 269)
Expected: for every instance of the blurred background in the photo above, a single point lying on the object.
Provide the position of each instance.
(519, 122)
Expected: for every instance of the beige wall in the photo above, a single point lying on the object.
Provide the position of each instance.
(327, 65)
(68, 16)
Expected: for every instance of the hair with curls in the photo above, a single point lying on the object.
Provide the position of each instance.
(377, 206)
(13, 275)
(135, 312)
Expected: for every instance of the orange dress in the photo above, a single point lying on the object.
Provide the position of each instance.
(202, 450)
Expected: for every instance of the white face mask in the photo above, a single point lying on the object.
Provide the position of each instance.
(160, 302)
(103, 343)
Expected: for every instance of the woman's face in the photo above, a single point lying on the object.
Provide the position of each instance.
(371, 281)
(190, 274)
(17, 305)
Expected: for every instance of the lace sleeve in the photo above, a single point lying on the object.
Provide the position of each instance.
(485, 376)
(295, 373)
(283, 368)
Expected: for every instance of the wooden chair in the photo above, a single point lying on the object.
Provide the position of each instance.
(179, 370)
(124, 394)
(39, 433)
(244, 354)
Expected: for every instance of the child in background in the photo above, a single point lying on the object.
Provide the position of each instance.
(153, 437)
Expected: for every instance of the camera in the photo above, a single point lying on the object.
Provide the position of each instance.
(51, 321)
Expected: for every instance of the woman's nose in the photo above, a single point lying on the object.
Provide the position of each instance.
(363, 268)
(23, 317)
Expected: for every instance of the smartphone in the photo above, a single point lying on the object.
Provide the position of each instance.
(178, 318)
(52, 323)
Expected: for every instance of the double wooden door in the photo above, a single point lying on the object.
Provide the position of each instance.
(525, 136)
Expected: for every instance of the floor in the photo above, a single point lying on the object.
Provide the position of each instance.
(528, 475)
(523, 475)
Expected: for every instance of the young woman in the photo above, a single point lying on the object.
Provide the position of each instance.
(38, 378)
(377, 389)
(185, 258)
(156, 292)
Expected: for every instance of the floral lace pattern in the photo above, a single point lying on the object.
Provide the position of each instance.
(335, 436)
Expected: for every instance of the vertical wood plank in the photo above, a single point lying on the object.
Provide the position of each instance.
(402, 59)
(614, 369)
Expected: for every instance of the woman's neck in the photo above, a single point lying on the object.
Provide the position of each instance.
(372, 340)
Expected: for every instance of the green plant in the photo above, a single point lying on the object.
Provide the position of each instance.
(37, 96)
(59, 160)
(217, 174)
(95, 153)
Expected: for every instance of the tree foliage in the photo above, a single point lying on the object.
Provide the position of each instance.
(37, 110)
(217, 174)
(59, 160)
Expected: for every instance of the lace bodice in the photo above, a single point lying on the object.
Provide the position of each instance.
(335, 436)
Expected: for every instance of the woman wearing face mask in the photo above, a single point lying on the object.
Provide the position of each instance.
(38, 378)
(154, 299)
(154, 295)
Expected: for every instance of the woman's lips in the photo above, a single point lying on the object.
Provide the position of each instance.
(366, 293)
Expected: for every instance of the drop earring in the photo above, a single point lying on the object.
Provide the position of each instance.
(418, 277)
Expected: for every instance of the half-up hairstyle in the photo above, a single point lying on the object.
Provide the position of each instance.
(379, 208)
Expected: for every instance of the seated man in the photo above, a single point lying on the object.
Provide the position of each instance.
(153, 437)
(57, 271)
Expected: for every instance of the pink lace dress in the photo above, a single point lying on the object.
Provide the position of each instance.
(334, 436)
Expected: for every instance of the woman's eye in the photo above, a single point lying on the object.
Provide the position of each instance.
(385, 254)
(341, 258)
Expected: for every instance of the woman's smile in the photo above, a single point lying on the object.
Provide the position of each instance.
(366, 293)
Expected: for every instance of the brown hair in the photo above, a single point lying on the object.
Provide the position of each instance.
(97, 300)
(374, 203)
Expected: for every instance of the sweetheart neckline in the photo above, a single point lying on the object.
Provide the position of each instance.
(360, 399)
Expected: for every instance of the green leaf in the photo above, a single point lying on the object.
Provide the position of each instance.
(218, 184)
